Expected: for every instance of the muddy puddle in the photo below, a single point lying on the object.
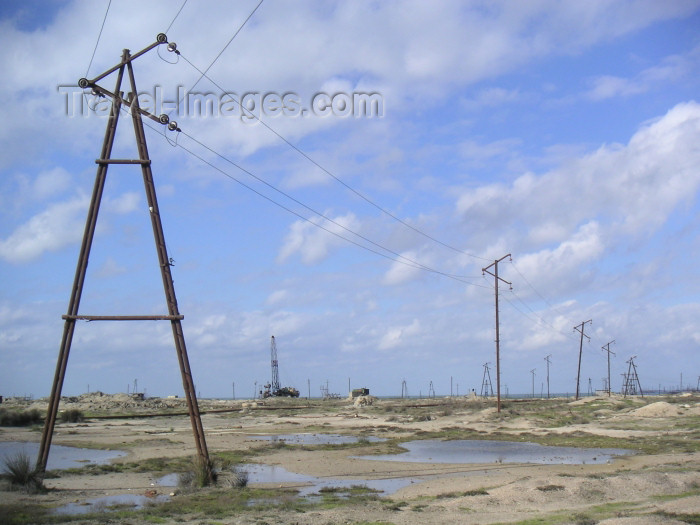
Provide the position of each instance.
(107, 503)
(60, 457)
(316, 439)
(476, 451)
(307, 486)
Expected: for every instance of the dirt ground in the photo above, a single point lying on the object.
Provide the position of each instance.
(658, 485)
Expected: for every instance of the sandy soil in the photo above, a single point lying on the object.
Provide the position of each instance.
(642, 489)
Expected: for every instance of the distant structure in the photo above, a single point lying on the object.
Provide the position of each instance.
(486, 384)
(273, 389)
(326, 394)
(357, 392)
(632, 380)
(275, 365)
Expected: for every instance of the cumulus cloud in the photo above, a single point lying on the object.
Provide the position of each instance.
(397, 334)
(312, 243)
(629, 189)
(277, 296)
(59, 225)
(124, 203)
(49, 183)
(402, 271)
(669, 69)
(417, 51)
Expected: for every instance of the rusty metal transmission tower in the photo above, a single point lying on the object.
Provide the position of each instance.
(486, 384)
(173, 316)
(632, 380)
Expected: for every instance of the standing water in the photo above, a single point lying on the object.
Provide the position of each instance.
(60, 457)
(476, 451)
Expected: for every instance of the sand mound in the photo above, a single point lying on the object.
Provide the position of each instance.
(658, 409)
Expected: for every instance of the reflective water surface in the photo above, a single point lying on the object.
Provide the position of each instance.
(307, 485)
(60, 457)
(477, 451)
(105, 503)
(316, 439)
(275, 474)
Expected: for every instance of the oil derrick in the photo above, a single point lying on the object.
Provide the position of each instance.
(124, 71)
(275, 385)
(632, 380)
(273, 388)
(431, 390)
(486, 385)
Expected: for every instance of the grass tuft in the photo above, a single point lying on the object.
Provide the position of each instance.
(18, 470)
(200, 475)
(239, 478)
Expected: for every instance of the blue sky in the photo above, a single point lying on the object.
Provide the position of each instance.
(564, 133)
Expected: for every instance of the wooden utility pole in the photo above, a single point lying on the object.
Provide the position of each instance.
(607, 349)
(580, 328)
(498, 349)
(548, 362)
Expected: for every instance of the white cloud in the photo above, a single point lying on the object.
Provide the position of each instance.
(396, 335)
(58, 226)
(110, 267)
(277, 296)
(577, 226)
(561, 266)
(610, 86)
(312, 243)
(670, 69)
(629, 189)
(125, 203)
(48, 183)
(416, 53)
(307, 176)
(401, 272)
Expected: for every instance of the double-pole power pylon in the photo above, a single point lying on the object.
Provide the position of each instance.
(119, 102)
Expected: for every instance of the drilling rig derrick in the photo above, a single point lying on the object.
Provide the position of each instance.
(273, 388)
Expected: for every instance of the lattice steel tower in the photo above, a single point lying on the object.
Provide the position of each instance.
(275, 385)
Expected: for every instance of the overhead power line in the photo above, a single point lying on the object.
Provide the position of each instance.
(204, 73)
(326, 170)
(99, 36)
(396, 257)
(175, 17)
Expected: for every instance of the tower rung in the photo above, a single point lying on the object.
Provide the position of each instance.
(144, 162)
(124, 317)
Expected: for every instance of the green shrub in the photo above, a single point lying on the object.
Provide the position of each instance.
(21, 474)
(13, 418)
(72, 415)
